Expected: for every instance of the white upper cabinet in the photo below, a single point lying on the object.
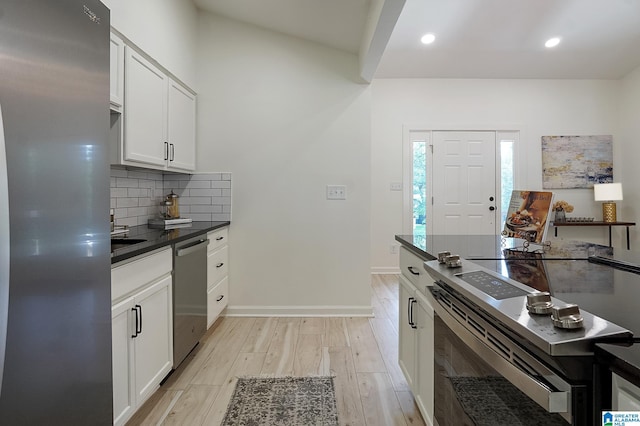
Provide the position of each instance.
(116, 74)
(181, 129)
(159, 130)
(145, 135)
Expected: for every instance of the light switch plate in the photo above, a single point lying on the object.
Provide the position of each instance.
(336, 192)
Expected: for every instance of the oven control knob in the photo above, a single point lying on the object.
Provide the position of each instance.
(566, 316)
(453, 261)
(539, 303)
(442, 255)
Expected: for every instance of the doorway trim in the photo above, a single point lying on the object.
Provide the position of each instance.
(521, 166)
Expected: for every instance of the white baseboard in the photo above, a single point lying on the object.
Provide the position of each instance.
(299, 311)
(378, 270)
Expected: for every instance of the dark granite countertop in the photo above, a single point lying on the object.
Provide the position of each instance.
(562, 269)
(622, 360)
(473, 247)
(158, 238)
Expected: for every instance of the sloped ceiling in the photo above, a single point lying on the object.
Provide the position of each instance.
(335, 23)
(474, 38)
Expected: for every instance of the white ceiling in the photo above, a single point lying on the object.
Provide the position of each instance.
(475, 38)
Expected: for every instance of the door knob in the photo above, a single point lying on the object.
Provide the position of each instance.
(490, 198)
(492, 208)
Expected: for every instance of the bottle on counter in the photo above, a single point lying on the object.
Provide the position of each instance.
(173, 209)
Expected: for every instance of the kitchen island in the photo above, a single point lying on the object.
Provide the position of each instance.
(563, 269)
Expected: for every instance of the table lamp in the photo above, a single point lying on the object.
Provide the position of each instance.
(608, 193)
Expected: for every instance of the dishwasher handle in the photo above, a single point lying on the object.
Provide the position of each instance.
(184, 251)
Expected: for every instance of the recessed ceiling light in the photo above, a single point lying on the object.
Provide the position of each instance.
(428, 38)
(552, 42)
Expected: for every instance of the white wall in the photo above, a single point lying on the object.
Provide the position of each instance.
(286, 118)
(164, 29)
(629, 208)
(540, 107)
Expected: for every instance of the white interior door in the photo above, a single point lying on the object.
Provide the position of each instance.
(464, 183)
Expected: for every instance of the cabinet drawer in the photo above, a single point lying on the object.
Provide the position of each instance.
(217, 238)
(217, 299)
(129, 277)
(217, 266)
(412, 267)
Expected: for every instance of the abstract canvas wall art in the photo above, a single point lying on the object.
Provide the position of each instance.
(576, 161)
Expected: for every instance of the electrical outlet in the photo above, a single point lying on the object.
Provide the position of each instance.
(336, 192)
(395, 186)
(393, 249)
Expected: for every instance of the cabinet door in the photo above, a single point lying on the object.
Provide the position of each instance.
(154, 344)
(116, 74)
(122, 352)
(181, 130)
(625, 395)
(424, 358)
(145, 138)
(217, 266)
(217, 299)
(407, 333)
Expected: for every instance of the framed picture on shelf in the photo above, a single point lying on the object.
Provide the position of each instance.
(528, 215)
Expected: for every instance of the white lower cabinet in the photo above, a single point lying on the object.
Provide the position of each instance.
(142, 330)
(217, 274)
(407, 332)
(124, 399)
(217, 300)
(423, 392)
(416, 328)
(625, 395)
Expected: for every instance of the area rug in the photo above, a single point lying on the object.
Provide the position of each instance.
(493, 401)
(308, 401)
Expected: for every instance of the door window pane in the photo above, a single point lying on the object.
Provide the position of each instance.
(419, 181)
(506, 179)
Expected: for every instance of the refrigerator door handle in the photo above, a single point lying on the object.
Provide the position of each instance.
(4, 248)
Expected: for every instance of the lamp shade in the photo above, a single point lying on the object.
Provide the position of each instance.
(607, 191)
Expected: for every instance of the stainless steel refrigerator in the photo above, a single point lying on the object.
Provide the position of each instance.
(55, 295)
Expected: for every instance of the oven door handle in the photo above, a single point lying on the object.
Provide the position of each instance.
(551, 400)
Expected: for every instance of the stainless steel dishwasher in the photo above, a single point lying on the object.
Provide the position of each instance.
(189, 295)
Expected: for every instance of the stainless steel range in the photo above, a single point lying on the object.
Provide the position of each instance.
(502, 343)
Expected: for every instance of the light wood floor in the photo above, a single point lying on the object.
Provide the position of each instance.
(362, 354)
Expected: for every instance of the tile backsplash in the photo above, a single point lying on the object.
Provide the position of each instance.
(136, 195)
